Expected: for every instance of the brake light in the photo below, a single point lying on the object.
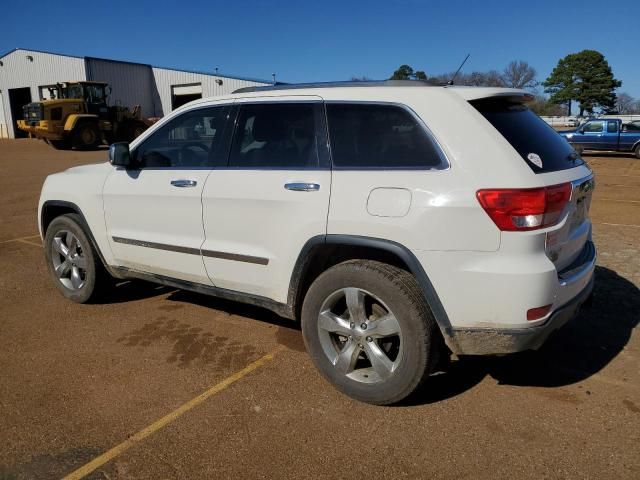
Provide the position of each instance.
(519, 209)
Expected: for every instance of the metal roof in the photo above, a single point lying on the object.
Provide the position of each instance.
(235, 77)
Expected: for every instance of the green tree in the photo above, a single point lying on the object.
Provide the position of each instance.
(585, 77)
(405, 72)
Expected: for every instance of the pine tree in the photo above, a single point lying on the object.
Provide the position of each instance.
(585, 77)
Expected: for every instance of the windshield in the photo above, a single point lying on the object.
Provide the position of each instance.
(74, 91)
(543, 149)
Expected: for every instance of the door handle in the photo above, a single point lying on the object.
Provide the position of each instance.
(184, 183)
(302, 187)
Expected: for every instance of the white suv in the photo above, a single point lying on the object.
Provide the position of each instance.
(398, 221)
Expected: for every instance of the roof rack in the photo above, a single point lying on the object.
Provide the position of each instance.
(366, 83)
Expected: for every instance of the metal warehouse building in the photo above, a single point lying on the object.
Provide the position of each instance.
(25, 74)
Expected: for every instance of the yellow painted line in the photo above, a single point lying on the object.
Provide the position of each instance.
(616, 200)
(19, 239)
(618, 224)
(167, 419)
(29, 243)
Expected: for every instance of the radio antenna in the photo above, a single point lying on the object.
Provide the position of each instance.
(450, 82)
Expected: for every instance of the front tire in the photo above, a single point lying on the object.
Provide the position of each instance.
(72, 261)
(86, 136)
(637, 151)
(369, 331)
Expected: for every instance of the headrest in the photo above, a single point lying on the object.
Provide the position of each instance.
(268, 129)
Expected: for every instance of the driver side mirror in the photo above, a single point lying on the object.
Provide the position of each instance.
(581, 130)
(119, 154)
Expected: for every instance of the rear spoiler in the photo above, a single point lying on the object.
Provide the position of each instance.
(514, 95)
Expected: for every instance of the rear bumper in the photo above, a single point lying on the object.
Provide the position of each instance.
(495, 341)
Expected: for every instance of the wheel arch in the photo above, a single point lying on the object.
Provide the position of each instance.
(51, 209)
(75, 119)
(324, 251)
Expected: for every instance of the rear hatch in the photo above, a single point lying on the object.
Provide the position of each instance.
(546, 153)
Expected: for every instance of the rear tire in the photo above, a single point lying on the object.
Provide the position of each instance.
(72, 261)
(86, 136)
(369, 331)
(637, 151)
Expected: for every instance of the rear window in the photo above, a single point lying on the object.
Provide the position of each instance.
(539, 145)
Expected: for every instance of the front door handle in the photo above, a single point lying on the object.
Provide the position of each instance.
(184, 183)
(302, 187)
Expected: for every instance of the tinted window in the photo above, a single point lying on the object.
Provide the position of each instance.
(612, 127)
(193, 139)
(594, 127)
(379, 136)
(281, 135)
(535, 141)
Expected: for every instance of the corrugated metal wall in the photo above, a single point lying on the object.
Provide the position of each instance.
(18, 71)
(166, 78)
(131, 84)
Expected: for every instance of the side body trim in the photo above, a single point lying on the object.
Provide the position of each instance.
(193, 251)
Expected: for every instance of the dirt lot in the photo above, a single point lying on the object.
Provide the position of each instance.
(79, 380)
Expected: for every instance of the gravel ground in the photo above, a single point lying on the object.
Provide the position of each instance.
(77, 380)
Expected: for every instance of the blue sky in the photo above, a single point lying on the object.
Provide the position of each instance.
(332, 40)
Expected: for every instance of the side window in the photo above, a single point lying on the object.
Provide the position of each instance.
(277, 135)
(194, 139)
(594, 127)
(612, 127)
(380, 136)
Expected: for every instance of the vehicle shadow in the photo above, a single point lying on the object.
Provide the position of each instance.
(580, 349)
(572, 354)
(124, 291)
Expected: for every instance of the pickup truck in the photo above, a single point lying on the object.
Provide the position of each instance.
(604, 134)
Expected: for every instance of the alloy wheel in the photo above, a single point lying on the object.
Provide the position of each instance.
(69, 261)
(360, 335)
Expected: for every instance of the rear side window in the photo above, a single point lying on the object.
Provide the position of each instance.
(612, 127)
(594, 127)
(283, 136)
(538, 144)
(380, 136)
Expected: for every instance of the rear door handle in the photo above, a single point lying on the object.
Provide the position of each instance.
(302, 187)
(184, 183)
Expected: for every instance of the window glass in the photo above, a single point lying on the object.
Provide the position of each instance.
(73, 91)
(273, 135)
(612, 127)
(379, 136)
(594, 127)
(194, 139)
(539, 145)
(94, 93)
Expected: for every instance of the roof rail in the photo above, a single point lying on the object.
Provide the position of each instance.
(366, 83)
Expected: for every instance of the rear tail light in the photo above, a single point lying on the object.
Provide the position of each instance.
(538, 313)
(519, 209)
